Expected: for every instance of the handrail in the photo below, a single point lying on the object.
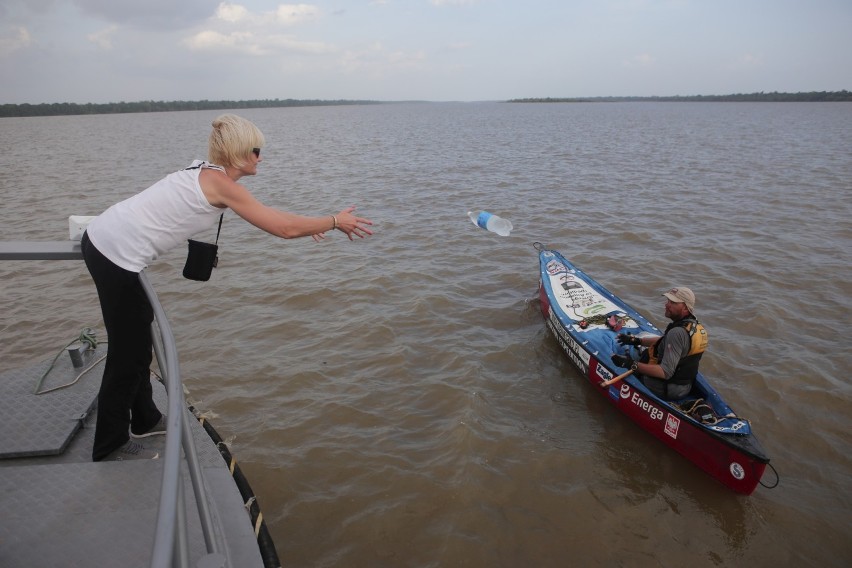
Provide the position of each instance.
(171, 517)
(40, 250)
(167, 356)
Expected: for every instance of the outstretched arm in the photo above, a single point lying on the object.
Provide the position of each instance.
(222, 191)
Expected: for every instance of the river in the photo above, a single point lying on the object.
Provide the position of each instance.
(397, 401)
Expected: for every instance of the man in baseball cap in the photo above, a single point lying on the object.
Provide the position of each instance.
(682, 295)
(670, 364)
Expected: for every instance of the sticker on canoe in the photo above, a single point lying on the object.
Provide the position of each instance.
(577, 300)
(737, 471)
(672, 426)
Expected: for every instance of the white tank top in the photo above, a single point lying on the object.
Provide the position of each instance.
(136, 231)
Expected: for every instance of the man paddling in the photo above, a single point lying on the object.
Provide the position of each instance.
(670, 364)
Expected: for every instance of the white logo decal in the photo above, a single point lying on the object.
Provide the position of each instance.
(625, 391)
(654, 412)
(672, 426)
(737, 471)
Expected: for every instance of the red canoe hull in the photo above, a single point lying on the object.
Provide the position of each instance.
(736, 461)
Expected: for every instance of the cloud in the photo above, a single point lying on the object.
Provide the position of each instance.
(239, 42)
(284, 14)
(231, 12)
(103, 38)
(251, 43)
(235, 29)
(17, 38)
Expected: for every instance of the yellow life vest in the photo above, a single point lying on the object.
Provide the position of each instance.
(687, 367)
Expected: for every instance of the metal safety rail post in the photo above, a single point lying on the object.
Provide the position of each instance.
(171, 518)
(177, 435)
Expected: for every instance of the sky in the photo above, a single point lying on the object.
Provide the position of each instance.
(99, 51)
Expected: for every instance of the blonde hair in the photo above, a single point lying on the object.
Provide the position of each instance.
(232, 140)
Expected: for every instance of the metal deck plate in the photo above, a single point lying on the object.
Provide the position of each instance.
(44, 424)
(65, 510)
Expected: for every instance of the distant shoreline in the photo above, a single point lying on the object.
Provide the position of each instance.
(813, 96)
(65, 109)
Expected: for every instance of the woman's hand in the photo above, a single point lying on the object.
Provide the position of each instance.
(352, 225)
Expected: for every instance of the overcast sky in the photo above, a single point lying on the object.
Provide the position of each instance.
(438, 50)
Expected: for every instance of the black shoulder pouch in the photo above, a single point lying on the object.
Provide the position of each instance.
(202, 258)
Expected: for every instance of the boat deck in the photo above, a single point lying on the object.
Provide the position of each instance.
(62, 509)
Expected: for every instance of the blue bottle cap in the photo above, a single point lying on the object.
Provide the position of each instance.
(482, 219)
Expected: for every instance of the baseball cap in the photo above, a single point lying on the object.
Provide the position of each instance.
(684, 295)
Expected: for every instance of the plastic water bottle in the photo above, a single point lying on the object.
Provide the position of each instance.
(489, 222)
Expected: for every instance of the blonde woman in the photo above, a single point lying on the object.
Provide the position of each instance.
(125, 238)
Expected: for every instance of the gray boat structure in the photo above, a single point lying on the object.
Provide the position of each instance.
(190, 507)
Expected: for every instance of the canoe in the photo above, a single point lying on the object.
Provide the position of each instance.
(585, 318)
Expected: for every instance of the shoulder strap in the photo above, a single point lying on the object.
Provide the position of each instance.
(219, 230)
(200, 164)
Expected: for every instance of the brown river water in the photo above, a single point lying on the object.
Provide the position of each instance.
(398, 401)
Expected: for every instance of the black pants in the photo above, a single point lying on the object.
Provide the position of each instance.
(125, 399)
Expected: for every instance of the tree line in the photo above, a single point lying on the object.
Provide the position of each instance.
(813, 96)
(56, 109)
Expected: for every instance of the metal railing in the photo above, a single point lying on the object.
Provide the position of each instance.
(171, 521)
(170, 539)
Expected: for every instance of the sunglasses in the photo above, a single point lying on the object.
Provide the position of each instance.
(256, 152)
